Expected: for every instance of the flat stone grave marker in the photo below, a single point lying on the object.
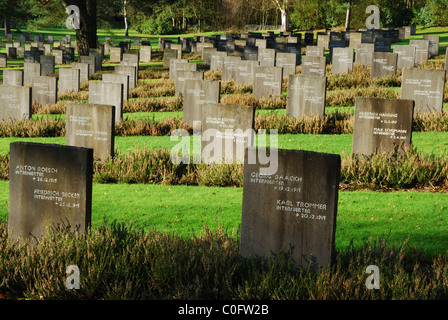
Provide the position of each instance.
(342, 60)
(90, 60)
(13, 78)
(355, 39)
(266, 57)
(145, 53)
(207, 54)
(44, 90)
(382, 125)
(382, 45)
(229, 67)
(30, 70)
(98, 54)
(383, 64)
(323, 40)
(287, 61)
(118, 78)
(314, 66)
(169, 54)
(91, 126)
(50, 186)
(116, 54)
(107, 93)
(177, 47)
(292, 210)
(131, 60)
(182, 77)
(217, 60)
(15, 102)
(315, 51)
(48, 64)
(306, 95)
(180, 65)
(250, 53)
(433, 48)
(364, 53)
(83, 71)
(406, 56)
(128, 71)
(226, 131)
(68, 80)
(197, 94)
(245, 71)
(425, 87)
(12, 52)
(421, 50)
(267, 82)
(58, 56)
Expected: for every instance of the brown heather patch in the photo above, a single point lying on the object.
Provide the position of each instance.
(150, 105)
(247, 99)
(154, 72)
(161, 88)
(229, 87)
(213, 75)
(337, 98)
(148, 127)
(58, 108)
(43, 127)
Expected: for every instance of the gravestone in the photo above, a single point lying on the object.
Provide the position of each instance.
(287, 61)
(323, 40)
(107, 93)
(182, 77)
(12, 52)
(245, 71)
(13, 78)
(47, 49)
(382, 125)
(230, 67)
(382, 45)
(30, 70)
(267, 82)
(58, 56)
(250, 53)
(315, 51)
(118, 78)
(68, 80)
(127, 71)
(44, 90)
(50, 186)
(169, 54)
(15, 102)
(355, 39)
(145, 53)
(293, 209)
(383, 64)
(217, 60)
(133, 61)
(180, 65)
(425, 87)
(421, 50)
(91, 126)
(314, 66)
(207, 54)
(197, 94)
(83, 71)
(433, 48)
(261, 43)
(91, 61)
(342, 60)
(48, 64)
(266, 57)
(306, 95)
(406, 56)
(336, 44)
(364, 53)
(226, 131)
(3, 60)
(177, 47)
(116, 54)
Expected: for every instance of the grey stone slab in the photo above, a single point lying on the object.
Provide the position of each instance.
(91, 61)
(383, 64)
(433, 45)
(293, 209)
(68, 80)
(315, 51)
(128, 71)
(425, 87)
(226, 131)
(30, 70)
(48, 65)
(364, 53)
(169, 54)
(287, 61)
(314, 66)
(45, 90)
(50, 187)
(116, 54)
(58, 56)
(118, 78)
(15, 103)
(406, 56)
(12, 78)
(342, 61)
(84, 71)
(266, 57)
(421, 50)
(91, 126)
(107, 93)
(267, 82)
(180, 65)
(382, 125)
(306, 95)
(230, 67)
(250, 53)
(182, 77)
(217, 60)
(145, 53)
(245, 72)
(197, 94)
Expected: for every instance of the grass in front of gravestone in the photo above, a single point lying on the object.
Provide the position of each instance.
(420, 217)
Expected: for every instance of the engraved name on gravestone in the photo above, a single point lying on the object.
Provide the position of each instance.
(421, 50)
(13, 78)
(68, 80)
(251, 53)
(91, 126)
(226, 131)
(180, 65)
(287, 61)
(217, 60)
(30, 70)
(207, 54)
(406, 56)
(128, 71)
(58, 56)
(293, 209)
(364, 53)
(315, 51)
(49, 186)
(182, 77)
(267, 82)
(314, 66)
(306, 95)
(15, 103)
(118, 78)
(266, 57)
(425, 87)
(197, 94)
(229, 67)
(433, 48)
(383, 64)
(245, 71)
(83, 71)
(342, 60)
(382, 125)
(107, 93)
(45, 90)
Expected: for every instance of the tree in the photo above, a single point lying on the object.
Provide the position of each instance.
(283, 7)
(347, 16)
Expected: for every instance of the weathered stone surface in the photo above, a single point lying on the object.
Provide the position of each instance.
(306, 95)
(266, 57)
(406, 56)
(12, 78)
(84, 71)
(315, 51)
(421, 50)
(128, 71)
(91, 126)
(118, 78)
(182, 77)
(68, 80)
(433, 48)
(107, 93)
(382, 125)
(383, 64)
(342, 61)
(50, 187)
(292, 209)
(30, 70)
(267, 82)
(245, 72)
(229, 67)
(364, 53)
(314, 66)
(287, 61)
(15, 102)
(45, 90)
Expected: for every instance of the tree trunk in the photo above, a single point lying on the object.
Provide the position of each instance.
(284, 21)
(7, 24)
(347, 16)
(126, 27)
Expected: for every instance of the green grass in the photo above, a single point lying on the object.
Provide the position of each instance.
(185, 210)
